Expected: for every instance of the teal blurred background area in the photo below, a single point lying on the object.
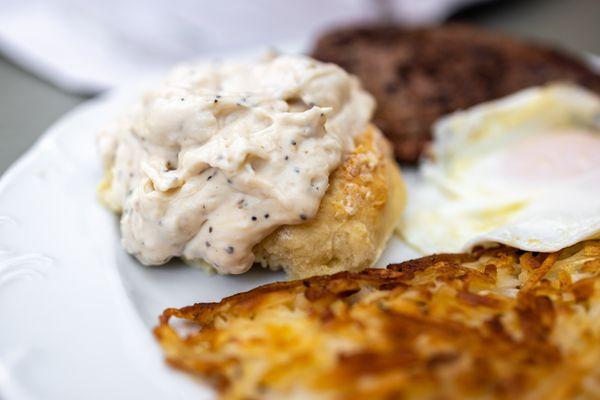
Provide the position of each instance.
(29, 105)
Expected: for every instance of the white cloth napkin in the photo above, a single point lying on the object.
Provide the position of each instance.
(86, 46)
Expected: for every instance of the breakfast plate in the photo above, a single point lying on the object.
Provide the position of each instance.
(78, 311)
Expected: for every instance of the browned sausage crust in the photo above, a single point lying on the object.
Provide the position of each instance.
(418, 75)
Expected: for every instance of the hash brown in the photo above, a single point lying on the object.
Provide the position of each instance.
(496, 323)
(419, 74)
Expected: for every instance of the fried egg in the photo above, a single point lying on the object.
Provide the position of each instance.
(522, 171)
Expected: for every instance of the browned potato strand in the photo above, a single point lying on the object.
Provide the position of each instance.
(497, 323)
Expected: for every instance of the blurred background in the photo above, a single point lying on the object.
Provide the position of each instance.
(55, 54)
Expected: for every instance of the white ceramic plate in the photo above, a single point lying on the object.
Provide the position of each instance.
(76, 311)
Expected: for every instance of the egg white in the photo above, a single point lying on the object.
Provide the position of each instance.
(523, 171)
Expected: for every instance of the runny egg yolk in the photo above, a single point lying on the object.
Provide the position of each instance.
(555, 155)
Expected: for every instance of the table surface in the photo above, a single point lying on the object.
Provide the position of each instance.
(29, 105)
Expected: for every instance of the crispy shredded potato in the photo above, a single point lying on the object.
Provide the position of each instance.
(497, 323)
